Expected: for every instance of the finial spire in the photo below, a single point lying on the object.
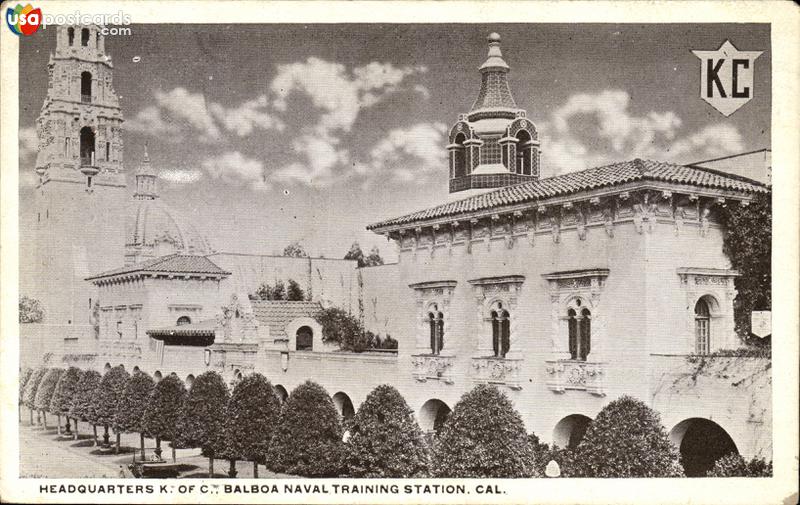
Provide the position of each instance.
(494, 59)
(146, 156)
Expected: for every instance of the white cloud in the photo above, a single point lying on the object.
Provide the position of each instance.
(320, 156)
(233, 168)
(248, 116)
(180, 176)
(190, 108)
(595, 129)
(28, 143)
(410, 154)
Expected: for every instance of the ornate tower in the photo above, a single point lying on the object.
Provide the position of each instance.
(81, 194)
(493, 145)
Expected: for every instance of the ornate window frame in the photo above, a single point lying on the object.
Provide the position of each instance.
(576, 289)
(487, 291)
(428, 294)
(716, 285)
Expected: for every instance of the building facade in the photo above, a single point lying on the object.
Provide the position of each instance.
(565, 292)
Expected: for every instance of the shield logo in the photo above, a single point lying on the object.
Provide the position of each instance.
(726, 77)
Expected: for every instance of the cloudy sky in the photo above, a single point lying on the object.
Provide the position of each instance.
(266, 134)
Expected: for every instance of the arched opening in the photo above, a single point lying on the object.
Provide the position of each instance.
(304, 339)
(433, 415)
(157, 376)
(184, 320)
(436, 326)
(87, 146)
(85, 37)
(71, 35)
(459, 154)
(569, 431)
(524, 153)
(86, 87)
(579, 330)
(702, 326)
(701, 443)
(189, 380)
(501, 330)
(107, 367)
(281, 392)
(344, 405)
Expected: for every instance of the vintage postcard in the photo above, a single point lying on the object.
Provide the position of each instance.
(402, 252)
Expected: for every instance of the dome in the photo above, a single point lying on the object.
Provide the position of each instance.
(153, 230)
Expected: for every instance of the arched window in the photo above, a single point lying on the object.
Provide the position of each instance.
(304, 339)
(86, 87)
(87, 146)
(85, 37)
(702, 327)
(501, 331)
(459, 157)
(71, 35)
(524, 153)
(579, 329)
(184, 320)
(436, 324)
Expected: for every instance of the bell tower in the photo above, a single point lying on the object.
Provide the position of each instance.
(81, 192)
(494, 144)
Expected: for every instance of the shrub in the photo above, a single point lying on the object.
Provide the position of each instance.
(106, 397)
(483, 437)
(46, 389)
(163, 410)
(24, 377)
(734, 465)
(308, 438)
(30, 310)
(294, 292)
(344, 329)
(82, 407)
(202, 423)
(385, 439)
(626, 439)
(132, 404)
(32, 386)
(65, 391)
(252, 413)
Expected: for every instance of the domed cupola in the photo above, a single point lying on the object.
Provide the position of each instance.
(153, 229)
(494, 145)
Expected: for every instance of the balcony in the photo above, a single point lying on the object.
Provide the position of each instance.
(429, 366)
(566, 374)
(500, 371)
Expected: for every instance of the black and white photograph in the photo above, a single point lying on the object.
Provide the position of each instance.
(269, 253)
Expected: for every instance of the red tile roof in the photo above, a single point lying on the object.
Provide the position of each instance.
(277, 314)
(574, 182)
(172, 264)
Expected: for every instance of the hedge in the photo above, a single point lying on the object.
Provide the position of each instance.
(308, 438)
(164, 410)
(82, 404)
(45, 391)
(626, 439)
(734, 465)
(483, 437)
(385, 440)
(202, 423)
(132, 404)
(32, 386)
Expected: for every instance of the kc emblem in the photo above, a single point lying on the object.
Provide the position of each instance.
(726, 77)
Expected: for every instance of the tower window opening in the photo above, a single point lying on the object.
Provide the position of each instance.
(85, 37)
(108, 151)
(436, 324)
(87, 146)
(71, 35)
(501, 331)
(459, 155)
(702, 327)
(86, 87)
(524, 153)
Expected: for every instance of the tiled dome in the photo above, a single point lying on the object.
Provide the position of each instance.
(153, 230)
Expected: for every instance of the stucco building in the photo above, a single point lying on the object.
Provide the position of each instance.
(565, 292)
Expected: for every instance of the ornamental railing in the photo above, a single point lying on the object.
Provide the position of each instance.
(494, 370)
(429, 366)
(564, 374)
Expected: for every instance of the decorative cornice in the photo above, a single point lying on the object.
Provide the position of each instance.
(433, 285)
(576, 274)
(503, 279)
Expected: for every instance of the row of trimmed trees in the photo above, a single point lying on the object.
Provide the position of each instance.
(484, 436)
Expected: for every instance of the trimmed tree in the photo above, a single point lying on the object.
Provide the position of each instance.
(734, 465)
(164, 410)
(62, 397)
(308, 438)
(82, 403)
(132, 404)
(106, 397)
(483, 437)
(252, 413)
(202, 423)
(45, 391)
(385, 440)
(24, 377)
(31, 387)
(626, 439)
